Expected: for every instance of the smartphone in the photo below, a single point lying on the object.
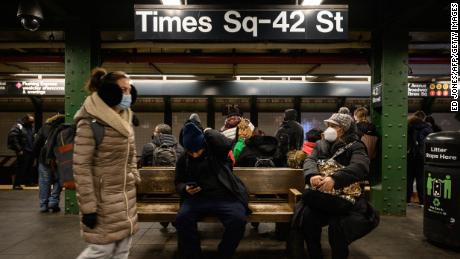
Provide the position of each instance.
(192, 184)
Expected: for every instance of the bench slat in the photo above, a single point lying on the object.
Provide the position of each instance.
(261, 212)
(160, 180)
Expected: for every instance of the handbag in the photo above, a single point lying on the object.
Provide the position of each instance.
(337, 201)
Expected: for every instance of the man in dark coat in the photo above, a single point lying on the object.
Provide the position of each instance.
(347, 227)
(21, 141)
(290, 135)
(162, 137)
(417, 131)
(205, 181)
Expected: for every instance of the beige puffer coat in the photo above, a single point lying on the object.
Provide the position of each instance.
(106, 177)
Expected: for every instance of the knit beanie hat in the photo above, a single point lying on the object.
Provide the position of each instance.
(110, 93)
(193, 137)
(340, 119)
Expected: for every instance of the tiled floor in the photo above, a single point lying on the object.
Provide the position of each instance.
(27, 234)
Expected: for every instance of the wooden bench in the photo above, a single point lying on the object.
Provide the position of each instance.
(273, 193)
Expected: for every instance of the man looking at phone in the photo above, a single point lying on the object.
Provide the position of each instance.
(205, 180)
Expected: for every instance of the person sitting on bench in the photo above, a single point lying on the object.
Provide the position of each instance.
(205, 180)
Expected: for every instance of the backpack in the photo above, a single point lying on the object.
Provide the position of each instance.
(164, 155)
(65, 138)
(295, 158)
(284, 140)
(264, 162)
(371, 145)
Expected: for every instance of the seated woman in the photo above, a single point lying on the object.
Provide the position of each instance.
(344, 226)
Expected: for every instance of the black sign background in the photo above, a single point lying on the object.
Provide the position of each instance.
(305, 18)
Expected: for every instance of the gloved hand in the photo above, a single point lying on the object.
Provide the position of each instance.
(90, 220)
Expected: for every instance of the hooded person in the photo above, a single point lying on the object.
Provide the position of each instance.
(207, 185)
(194, 118)
(106, 175)
(343, 145)
(289, 134)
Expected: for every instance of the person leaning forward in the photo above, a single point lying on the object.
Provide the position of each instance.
(207, 185)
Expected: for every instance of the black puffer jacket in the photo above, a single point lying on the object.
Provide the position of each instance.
(162, 139)
(256, 147)
(354, 159)
(217, 149)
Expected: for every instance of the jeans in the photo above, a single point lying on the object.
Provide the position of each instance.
(115, 250)
(231, 213)
(49, 198)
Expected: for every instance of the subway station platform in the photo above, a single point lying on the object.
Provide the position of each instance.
(27, 234)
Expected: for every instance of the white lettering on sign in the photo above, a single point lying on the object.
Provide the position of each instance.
(155, 23)
(438, 149)
(325, 18)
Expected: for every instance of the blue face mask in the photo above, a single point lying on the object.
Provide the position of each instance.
(125, 102)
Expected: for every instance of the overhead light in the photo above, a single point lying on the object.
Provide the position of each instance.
(39, 75)
(171, 2)
(312, 2)
(347, 82)
(275, 76)
(352, 76)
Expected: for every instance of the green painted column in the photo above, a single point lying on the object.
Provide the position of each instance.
(389, 66)
(82, 45)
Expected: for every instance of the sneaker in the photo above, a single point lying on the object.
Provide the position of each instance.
(43, 210)
(55, 209)
(17, 187)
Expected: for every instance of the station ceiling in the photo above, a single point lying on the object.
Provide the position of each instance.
(42, 51)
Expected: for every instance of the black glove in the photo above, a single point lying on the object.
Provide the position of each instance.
(90, 220)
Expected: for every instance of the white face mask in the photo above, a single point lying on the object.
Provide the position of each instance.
(330, 134)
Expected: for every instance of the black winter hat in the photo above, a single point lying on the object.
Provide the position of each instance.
(110, 93)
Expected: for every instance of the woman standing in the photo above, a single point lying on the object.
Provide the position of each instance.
(105, 172)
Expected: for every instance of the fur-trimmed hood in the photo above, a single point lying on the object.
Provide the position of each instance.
(95, 107)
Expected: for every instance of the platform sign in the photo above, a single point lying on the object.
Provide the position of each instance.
(203, 23)
(428, 89)
(26, 88)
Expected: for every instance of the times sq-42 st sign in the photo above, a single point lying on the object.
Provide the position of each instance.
(153, 22)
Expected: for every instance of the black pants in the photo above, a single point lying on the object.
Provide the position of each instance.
(313, 221)
(231, 213)
(24, 168)
(415, 171)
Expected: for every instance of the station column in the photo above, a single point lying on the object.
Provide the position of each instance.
(389, 67)
(82, 45)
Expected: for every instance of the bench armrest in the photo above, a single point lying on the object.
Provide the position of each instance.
(293, 196)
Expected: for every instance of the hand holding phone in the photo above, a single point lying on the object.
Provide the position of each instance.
(192, 188)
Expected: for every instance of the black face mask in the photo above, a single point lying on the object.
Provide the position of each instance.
(28, 124)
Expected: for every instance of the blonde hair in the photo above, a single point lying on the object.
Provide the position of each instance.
(361, 114)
